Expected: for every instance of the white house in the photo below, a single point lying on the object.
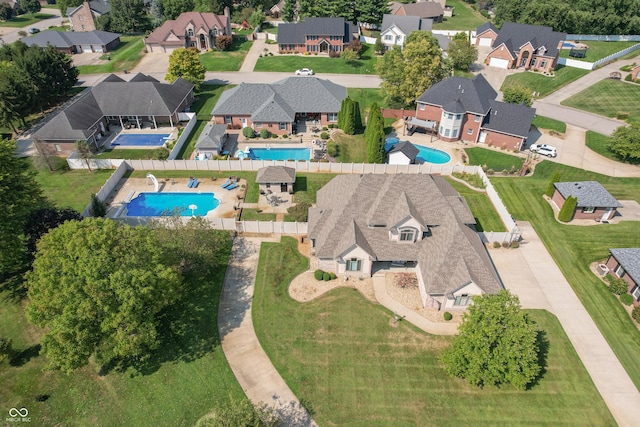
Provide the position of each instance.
(395, 29)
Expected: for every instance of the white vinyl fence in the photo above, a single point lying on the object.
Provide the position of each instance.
(191, 120)
(108, 186)
(604, 38)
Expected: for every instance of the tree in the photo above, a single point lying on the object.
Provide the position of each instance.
(185, 63)
(378, 47)
(257, 18)
(98, 208)
(128, 16)
(625, 142)
(289, 10)
(31, 6)
(16, 95)
(497, 344)
(213, 6)
(349, 56)
(173, 8)
(20, 195)
(97, 287)
(156, 12)
(347, 116)
(374, 136)
(356, 46)
(41, 221)
(64, 4)
(6, 349)
(550, 187)
(568, 209)
(224, 42)
(390, 68)
(84, 152)
(6, 12)
(241, 412)
(517, 95)
(461, 53)
(371, 11)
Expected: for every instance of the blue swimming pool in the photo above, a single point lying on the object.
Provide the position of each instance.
(276, 154)
(164, 204)
(426, 154)
(141, 139)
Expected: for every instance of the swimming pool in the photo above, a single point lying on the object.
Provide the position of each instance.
(425, 154)
(276, 154)
(164, 204)
(141, 139)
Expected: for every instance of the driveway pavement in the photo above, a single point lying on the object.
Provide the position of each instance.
(10, 34)
(153, 63)
(531, 273)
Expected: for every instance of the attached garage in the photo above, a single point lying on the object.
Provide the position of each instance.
(499, 63)
(485, 41)
(86, 48)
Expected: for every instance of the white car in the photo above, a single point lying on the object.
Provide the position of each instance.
(304, 72)
(544, 149)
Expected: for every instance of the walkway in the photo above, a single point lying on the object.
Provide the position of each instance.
(250, 364)
(531, 273)
(250, 60)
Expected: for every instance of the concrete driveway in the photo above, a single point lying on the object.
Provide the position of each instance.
(153, 63)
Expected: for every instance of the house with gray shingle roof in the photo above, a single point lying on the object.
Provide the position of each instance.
(83, 17)
(423, 9)
(395, 29)
(594, 201)
(211, 141)
(624, 263)
(110, 106)
(402, 153)
(466, 109)
(75, 42)
(276, 179)
(277, 106)
(316, 35)
(361, 222)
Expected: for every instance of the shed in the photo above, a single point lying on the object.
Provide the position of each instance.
(403, 153)
(211, 141)
(276, 179)
(594, 201)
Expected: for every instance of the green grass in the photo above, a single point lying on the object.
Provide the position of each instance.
(574, 248)
(187, 377)
(600, 144)
(125, 57)
(487, 219)
(464, 17)
(126, 153)
(24, 20)
(254, 215)
(228, 60)
(607, 98)
(351, 148)
(493, 159)
(543, 85)
(71, 188)
(598, 50)
(308, 184)
(320, 64)
(339, 353)
(542, 122)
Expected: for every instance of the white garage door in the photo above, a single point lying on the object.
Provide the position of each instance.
(499, 63)
(170, 49)
(485, 41)
(86, 48)
(98, 49)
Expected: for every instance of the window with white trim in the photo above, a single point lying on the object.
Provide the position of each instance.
(257, 124)
(282, 126)
(455, 133)
(421, 107)
(636, 292)
(190, 32)
(332, 117)
(406, 235)
(619, 271)
(227, 119)
(470, 131)
(57, 147)
(354, 264)
(447, 132)
(476, 118)
(588, 209)
(463, 299)
(449, 116)
(458, 116)
(388, 37)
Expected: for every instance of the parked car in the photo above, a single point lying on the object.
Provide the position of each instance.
(34, 30)
(544, 149)
(304, 72)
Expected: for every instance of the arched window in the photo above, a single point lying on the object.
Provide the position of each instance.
(190, 32)
(525, 59)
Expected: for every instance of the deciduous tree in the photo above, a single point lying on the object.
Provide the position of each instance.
(84, 152)
(289, 10)
(378, 47)
(156, 12)
(461, 53)
(257, 18)
(390, 68)
(625, 142)
(42, 220)
(128, 16)
(517, 95)
(185, 63)
(224, 42)
(31, 6)
(173, 8)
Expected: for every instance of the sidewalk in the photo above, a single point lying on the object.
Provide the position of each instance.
(249, 63)
(248, 361)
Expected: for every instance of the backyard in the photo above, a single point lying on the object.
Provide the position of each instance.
(341, 355)
(599, 49)
(464, 17)
(541, 84)
(125, 57)
(228, 60)
(608, 98)
(486, 216)
(71, 188)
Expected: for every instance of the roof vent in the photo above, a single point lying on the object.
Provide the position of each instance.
(459, 86)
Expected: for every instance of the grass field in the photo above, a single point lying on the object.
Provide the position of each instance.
(573, 249)
(340, 353)
(599, 143)
(229, 60)
(126, 153)
(542, 122)
(607, 98)
(24, 20)
(487, 219)
(125, 57)
(320, 64)
(598, 50)
(464, 17)
(543, 85)
(493, 159)
(71, 188)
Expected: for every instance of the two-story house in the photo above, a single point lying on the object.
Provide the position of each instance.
(190, 29)
(395, 29)
(316, 35)
(83, 17)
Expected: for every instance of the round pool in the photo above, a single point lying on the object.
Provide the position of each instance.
(425, 154)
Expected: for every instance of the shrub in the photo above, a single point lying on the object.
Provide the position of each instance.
(496, 245)
(306, 404)
(98, 207)
(333, 276)
(161, 153)
(273, 135)
(627, 68)
(550, 187)
(248, 132)
(318, 274)
(326, 276)
(505, 244)
(224, 42)
(448, 316)
(618, 286)
(569, 206)
(334, 54)
(332, 148)
(628, 78)
(324, 128)
(264, 134)
(324, 135)
(299, 213)
(515, 244)
(622, 115)
(285, 136)
(626, 299)
(636, 314)
(490, 172)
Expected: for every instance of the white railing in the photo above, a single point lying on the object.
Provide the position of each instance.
(192, 120)
(592, 65)
(604, 38)
(623, 52)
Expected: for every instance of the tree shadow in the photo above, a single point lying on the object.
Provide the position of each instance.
(300, 184)
(543, 353)
(14, 286)
(21, 358)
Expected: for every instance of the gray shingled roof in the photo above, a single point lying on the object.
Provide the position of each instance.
(589, 194)
(72, 38)
(474, 94)
(443, 41)
(486, 26)
(514, 36)
(406, 148)
(212, 137)
(511, 119)
(629, 259)
(295, 33)
(406, 24)
(422, 9)
(99, 6)
(279, 101)
(451, 255)
(276, 175)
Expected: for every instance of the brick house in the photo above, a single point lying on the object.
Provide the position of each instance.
(422, 9)
(521, 46)
(624, 263)
(71, 42)
(316, 35)
(594, 201)
(83, 17)
(190, 29)
(466, 109)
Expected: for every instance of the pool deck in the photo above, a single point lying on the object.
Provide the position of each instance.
(117, 131)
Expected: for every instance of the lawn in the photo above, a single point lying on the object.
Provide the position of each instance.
(600, 144)
(126, 153)
(71, 188)
(351, 148)
(228, 60)
(464, 17)
(487, 219)
(320, 64)
(185, 379)
(608, 98)
(341, 355)
(495, 160)
(574, 248)
(125, 57)
(542, 122)
(598, 50)
(543, 85)
(24, 20)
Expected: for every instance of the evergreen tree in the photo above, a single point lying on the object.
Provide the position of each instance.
(550, 187)
(341, 113)
(568, 209)
(374, 136)
(371, 11)
(127, 16)
(156, 12)
(349, 123)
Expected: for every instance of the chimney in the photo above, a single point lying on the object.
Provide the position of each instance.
(226, 11)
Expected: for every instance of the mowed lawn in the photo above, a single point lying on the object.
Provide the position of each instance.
(125, 57)
(494, 160)
(598, 50)
(71, 188)
(341, 355)
(542, 122)
(541, 84)
(486, 216)
(574, 248)
(608, 98)
(600, 144)
(320, 64)
(26, 19)
(464, 17)
(228, 60)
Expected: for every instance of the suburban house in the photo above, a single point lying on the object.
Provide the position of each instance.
(110, 106)
(395, 29)
(211, 141)
(465, 109)
(278, 106)
(83, 17)
(402, 153)
(634, 72)
(316, 35)
(75, 42)
(190, 29)
(522, 46)
(276, 10)
(422, 9)
(365, 222)
(14, 5)
(594, 201)
(276, 179)
(624, 263)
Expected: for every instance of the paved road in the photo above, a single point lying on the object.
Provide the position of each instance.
(10, 34)
(531, 273)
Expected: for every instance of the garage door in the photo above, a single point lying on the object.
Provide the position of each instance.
(86, 48)
(98, 49)
(499, 63)
(485, 41)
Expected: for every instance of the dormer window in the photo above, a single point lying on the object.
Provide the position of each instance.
(407, 235)
(214, 32)
(190, 32)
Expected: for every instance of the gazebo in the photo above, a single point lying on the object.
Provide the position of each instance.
(276, 179)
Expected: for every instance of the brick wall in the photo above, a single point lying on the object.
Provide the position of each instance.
(82, 19)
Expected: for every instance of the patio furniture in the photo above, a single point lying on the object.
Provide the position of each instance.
(231, 187)
(227, 183)
(190, 183)
(195, 183)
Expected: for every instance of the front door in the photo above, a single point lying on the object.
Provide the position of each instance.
(483, 137)
(605, 215)
(243, 120)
